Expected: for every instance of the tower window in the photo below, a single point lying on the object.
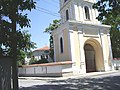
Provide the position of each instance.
(87, 14)
(67, 15)
(61, 45)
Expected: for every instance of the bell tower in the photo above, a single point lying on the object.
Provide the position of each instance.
(78, 10)
(81, 38)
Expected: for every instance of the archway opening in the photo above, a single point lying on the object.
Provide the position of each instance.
(90, 58)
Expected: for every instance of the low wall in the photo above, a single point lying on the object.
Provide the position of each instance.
(48, 69)
(116, 64)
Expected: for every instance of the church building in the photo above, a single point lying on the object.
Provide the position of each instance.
(81, 38)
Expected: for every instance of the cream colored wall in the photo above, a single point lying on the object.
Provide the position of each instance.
(102, 53)
(94, 35)
(56, 48)
(106, 52)
(87, 32)
(76, 48)
(94, 39)
(65, 56)
(98, 50)
(95, 42)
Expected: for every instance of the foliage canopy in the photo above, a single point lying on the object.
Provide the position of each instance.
(12, 20)
(109, 13)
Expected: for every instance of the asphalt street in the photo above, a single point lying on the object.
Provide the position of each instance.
(93, 82)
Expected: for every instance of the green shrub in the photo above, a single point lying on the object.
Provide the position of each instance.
(40, 61)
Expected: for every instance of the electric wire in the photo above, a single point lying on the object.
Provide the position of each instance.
(47, 12)
(41, 9)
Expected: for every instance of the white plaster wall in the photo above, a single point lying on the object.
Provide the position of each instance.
(30, 70)
(40, 70)
(116, 64)
(22, 70)
(67, 68)
(44, 70)
(54, 69)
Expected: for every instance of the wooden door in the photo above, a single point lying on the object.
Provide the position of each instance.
(90, 58)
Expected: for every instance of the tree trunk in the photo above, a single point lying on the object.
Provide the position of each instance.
(15, 75)
(14, 53)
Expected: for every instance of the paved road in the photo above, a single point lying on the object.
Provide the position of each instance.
(95, 82)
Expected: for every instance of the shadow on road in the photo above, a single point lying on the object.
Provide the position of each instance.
(106, 83)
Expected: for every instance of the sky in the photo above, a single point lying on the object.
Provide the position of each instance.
(40, 18)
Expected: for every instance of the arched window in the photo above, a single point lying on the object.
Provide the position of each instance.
(61, 45)
(67, 15)
(87, 14)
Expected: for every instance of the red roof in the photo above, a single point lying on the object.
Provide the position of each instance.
(43, 48)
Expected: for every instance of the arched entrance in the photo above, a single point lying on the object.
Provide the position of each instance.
(90, 58)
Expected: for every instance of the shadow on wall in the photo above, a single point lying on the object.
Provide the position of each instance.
(106, 83)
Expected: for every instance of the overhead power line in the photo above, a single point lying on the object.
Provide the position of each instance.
(41, 9)
(47, 12)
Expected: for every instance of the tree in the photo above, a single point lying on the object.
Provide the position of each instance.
(54, 25)
(26, 49)
(24, 43)
(12, 20)
(109, 13)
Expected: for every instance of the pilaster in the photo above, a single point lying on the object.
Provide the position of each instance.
(105, 58)
(110, 51)
(72, 50)
(82, 55)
